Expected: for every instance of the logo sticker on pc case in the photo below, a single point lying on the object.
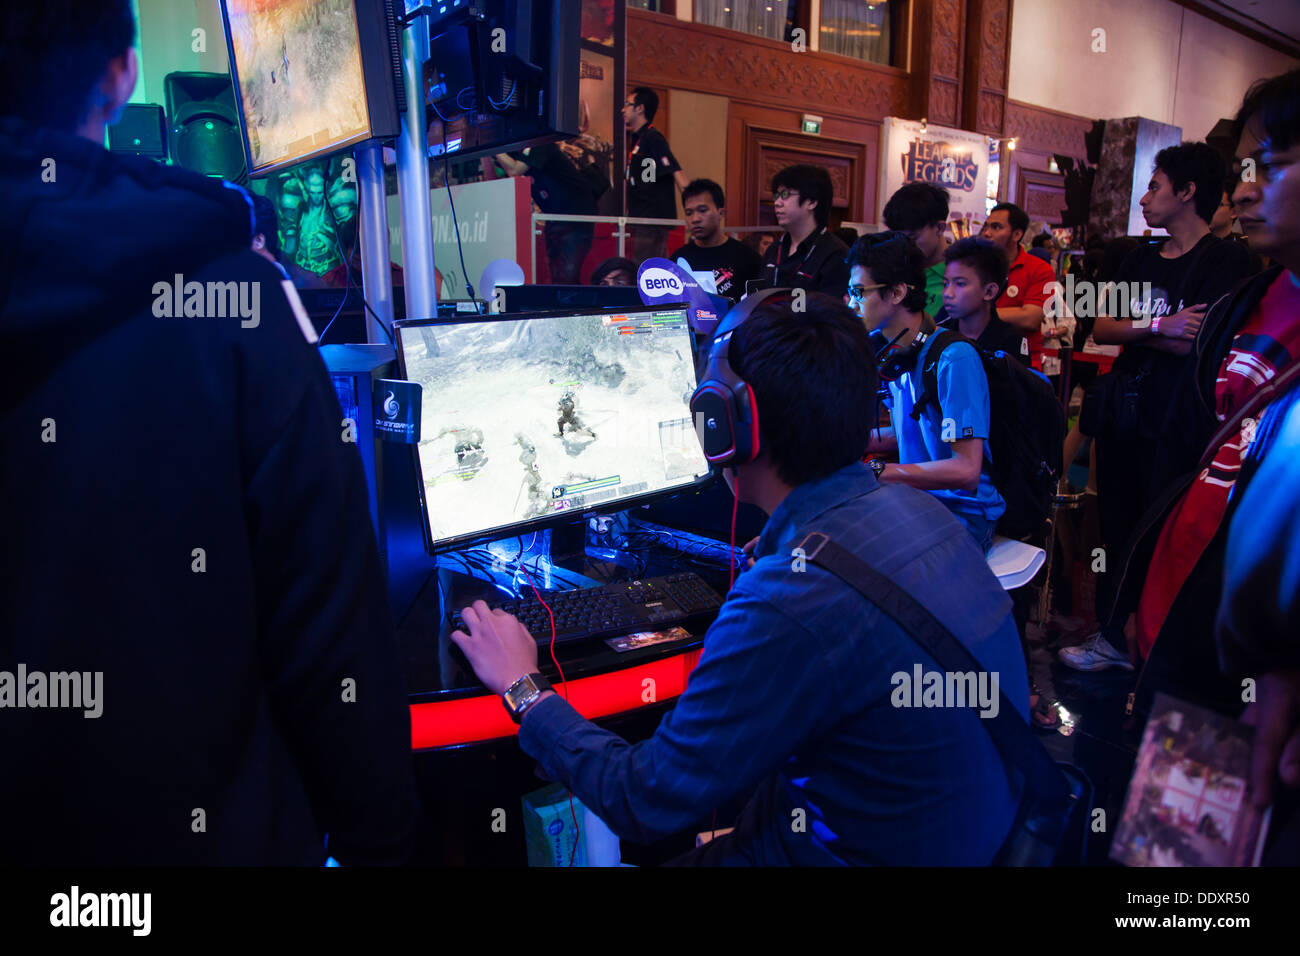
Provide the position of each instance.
(397, 410)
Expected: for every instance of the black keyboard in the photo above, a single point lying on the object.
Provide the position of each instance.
(623, 608)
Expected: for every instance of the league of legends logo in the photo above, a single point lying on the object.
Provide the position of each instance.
(941, 164)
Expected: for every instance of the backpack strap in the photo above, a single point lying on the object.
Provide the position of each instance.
(1011, 734)
(928, 362)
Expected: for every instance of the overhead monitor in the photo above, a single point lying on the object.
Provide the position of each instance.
(312, 77)
(530, 420)
(501, 75)
(540, 298)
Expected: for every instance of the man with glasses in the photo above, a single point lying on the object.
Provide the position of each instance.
(809, 256)
(652, 171)
(945, 449)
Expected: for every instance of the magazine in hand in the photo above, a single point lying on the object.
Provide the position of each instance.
(1187, 803)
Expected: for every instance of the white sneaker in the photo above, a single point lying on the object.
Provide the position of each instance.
(1094, 654)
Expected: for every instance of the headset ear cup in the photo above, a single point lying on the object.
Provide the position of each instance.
(714, 413)
(747, 443)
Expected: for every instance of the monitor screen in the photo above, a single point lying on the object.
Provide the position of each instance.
(528, 420)
(298, 72)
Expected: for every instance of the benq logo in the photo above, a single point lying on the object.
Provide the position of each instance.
(657, 282)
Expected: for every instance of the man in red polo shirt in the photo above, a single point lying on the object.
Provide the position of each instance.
(1028, 280)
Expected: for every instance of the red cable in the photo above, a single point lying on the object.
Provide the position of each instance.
(577, 832)
(731, 580)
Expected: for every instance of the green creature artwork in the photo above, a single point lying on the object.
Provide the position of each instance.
(311, 232)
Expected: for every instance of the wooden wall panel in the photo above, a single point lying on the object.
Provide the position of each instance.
(664, 51)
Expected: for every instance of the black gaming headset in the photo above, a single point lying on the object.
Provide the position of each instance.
(894, 361)
(723, 406)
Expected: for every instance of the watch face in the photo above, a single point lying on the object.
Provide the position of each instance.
(520, 691)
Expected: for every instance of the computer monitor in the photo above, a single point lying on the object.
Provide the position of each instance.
(576, 298)
(312, 77)
(535, 420)
(502, 75)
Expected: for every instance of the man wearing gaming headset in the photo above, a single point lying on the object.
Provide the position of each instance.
(796, 698)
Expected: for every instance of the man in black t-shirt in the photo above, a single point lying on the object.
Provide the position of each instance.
(1163, 291)
(652, 173)
(558, 187)
(710, 250)
(809, 256)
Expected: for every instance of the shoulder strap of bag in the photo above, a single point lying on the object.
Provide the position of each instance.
(928, 364)
(1010, 733)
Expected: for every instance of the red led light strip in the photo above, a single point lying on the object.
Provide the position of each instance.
(473, 719)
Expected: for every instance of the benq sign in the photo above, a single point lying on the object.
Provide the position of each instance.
(657, 283)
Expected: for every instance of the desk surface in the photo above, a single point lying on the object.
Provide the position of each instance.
(449, 707)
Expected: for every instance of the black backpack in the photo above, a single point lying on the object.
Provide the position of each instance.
(1026, 433)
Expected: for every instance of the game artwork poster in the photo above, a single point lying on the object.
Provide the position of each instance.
(953, 159)
(598, 21)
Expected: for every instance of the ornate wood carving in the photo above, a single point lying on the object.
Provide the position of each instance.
(988, 42)
(1042, 195)
(768, 150)
(663, 51)
(937, 60)
(1047, 130)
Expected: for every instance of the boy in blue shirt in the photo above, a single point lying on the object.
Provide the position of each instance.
(944, 449)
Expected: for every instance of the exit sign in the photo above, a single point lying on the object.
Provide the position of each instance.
(812, 124)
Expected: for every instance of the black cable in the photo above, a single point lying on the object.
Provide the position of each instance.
(347, 264)
(455, 226)
(347, 282)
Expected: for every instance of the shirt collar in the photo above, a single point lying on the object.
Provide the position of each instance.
(804, 246)
(811, 499)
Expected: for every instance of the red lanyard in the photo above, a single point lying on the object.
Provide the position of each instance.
(812, 245)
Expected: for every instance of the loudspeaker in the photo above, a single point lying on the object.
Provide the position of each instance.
(204, 134)
(141, 131)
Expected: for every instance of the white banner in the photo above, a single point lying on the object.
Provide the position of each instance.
(486, 214)
(956, 160)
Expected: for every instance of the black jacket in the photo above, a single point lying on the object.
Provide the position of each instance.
(817, 264)
(182, 516)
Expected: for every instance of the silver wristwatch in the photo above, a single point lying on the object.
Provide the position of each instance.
(523, 693)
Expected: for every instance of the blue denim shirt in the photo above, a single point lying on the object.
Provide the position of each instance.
(791, 700)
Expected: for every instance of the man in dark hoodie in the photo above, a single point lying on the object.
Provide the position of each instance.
(197, 663)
